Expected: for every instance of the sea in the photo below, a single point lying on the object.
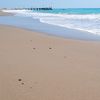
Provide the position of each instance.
(83, 19)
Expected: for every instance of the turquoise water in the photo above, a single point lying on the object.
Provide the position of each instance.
(73, 11)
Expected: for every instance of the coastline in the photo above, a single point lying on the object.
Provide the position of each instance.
(35, 66)
(29, 23)
(5, 13)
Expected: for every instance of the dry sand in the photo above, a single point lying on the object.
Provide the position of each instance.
(38, 67)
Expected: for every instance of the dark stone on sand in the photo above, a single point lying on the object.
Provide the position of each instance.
(22, 83)
(50, 48)
(19, 79)
(34, 48)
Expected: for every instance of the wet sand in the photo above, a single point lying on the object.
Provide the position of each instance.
(5, 13)
(38, 67)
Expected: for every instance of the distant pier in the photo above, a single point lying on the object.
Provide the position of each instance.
(39, 8)
(45, 8)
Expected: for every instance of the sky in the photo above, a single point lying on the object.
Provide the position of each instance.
(54, 3)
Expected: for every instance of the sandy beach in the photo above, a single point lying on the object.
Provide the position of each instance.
(5, 13)
(34, 66)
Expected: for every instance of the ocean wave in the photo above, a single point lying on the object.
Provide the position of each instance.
(84, 22)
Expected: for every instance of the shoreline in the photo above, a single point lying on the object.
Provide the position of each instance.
(47, 29)
(5, 13)
(48, 35)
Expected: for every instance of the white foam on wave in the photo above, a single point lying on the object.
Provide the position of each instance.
(16, 11)
(88, 22)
